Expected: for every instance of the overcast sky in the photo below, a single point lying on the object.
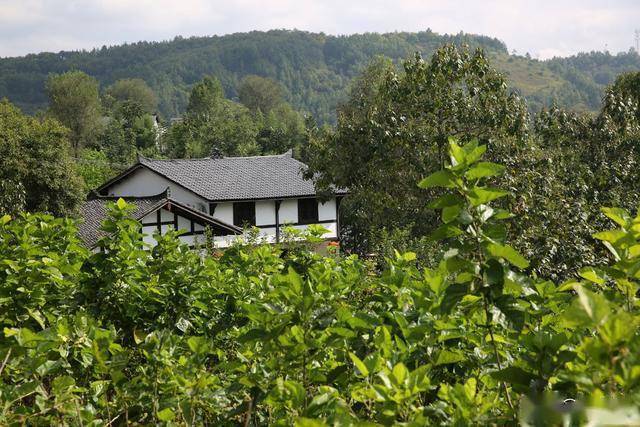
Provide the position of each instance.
(543, 28)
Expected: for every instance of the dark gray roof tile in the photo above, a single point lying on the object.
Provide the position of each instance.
(238, 178)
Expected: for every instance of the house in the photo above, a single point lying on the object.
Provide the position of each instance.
(223, 193)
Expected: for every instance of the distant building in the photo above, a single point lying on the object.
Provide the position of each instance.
(222, 193)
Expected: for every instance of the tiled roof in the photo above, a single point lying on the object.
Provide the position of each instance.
(94, 211)
(238, 178)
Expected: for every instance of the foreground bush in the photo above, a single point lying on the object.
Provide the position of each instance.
(278, 335)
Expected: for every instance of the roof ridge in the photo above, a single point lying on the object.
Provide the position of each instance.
(288, 153)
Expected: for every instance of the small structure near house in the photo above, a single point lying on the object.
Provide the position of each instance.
(222, 193)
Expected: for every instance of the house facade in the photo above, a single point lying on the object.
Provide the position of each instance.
(267, 192)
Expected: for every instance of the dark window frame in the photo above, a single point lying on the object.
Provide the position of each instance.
(244, 213)
(308, 211)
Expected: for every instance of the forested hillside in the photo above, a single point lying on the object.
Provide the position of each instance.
(315, 69)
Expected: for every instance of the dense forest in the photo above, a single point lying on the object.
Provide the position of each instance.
(315, 69)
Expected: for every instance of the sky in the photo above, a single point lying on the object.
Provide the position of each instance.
(542, 28)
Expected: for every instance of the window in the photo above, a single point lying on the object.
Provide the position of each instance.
(244, 214)
(307, 211)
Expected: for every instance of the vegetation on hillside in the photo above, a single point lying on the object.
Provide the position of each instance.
(278, 335)
(314, 69)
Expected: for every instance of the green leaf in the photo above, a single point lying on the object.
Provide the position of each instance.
(618, 215)
(483, 170)
(399, 373)
(508, 253)
(166, 414)
(409, 256)
(481, 195)
(619, 329)
(451, 213)
(121, 204)
(589, 308)
(62, 384)
(611, 236)
(593, 275)
(139, 336)
(360, 366)
(446, 201)
(517, 377)
(309, 422)
(297, 333)
(5, 219)
(453, 294)
(474, 153)
(445, 231)
(442, 178)
(446, 357)
(198, 345)
(456, 153)
(294, 280)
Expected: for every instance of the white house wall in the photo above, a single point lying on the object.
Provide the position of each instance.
(184, 224)
(267, 234)
(289, 211)
(224, 212)
(145, 182)
(327, 210)
(288, 215)
(265, 212)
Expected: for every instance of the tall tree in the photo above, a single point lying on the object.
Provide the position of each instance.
(260, 93)
(281, 129)
(393, 129)
(75, 101)
(213, 125)
(205, 96)
(34, 159)
(133, 90)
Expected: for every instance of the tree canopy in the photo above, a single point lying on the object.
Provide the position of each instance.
(36, 169)
(260, 94)
(74, 99)
(393, 130)
(133, 90)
